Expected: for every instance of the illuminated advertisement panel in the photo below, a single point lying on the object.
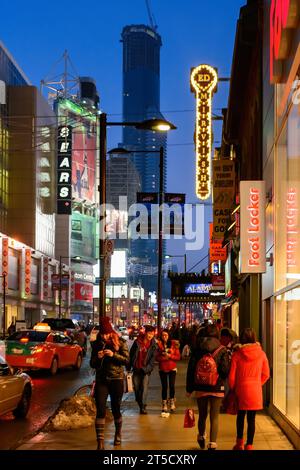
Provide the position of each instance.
(118, 264)
(83, 236)
(283, 19)
(252, 235)
(84, 149)
(204, 80)
(84, 161)
(197, 288)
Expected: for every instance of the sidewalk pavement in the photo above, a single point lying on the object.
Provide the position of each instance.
(152, 432)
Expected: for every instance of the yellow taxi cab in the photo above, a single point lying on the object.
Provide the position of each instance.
(42, 348)
(15, 391)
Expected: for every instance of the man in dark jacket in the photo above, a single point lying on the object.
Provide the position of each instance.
(142, 358)
(207, 369)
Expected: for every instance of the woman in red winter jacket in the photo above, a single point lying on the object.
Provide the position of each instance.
(167, 355)
(248, 373)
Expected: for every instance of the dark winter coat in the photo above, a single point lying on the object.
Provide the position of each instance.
(109, 367)
(249, 371)
(150, 356)
(208, 345)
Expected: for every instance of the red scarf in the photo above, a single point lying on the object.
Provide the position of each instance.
(142, 353)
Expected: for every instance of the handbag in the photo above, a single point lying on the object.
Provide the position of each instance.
(189, 418)
(128, 385)
(230, 403)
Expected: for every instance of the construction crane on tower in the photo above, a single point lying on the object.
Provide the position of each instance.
(151, 16)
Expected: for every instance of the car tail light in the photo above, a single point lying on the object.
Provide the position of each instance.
(24, 340)
(36, 349)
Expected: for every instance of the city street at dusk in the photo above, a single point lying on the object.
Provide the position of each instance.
(149, 232)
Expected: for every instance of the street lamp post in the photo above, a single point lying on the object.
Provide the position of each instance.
(159, 152)
(149, 124)
(160, 242)
(4, 303)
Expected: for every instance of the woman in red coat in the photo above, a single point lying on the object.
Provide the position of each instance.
(248, 373)
(167, 355)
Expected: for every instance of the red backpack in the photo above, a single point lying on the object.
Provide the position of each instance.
(206, 372)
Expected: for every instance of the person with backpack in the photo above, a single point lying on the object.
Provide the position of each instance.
(248, 373)
(207, 369)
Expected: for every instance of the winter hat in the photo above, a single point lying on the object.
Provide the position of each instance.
(105, 326)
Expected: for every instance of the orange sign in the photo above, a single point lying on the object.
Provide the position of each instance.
(216, 252)
(27, 271)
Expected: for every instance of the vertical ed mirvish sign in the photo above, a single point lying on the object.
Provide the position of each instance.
(204, 79)
(252, 236)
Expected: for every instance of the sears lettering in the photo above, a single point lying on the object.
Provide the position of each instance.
(64, 177)
(64, 192)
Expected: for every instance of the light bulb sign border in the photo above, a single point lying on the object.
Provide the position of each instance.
(204, 80)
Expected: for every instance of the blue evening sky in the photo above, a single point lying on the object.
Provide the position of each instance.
(193, 32)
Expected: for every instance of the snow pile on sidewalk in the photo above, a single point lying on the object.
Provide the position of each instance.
(73, 413)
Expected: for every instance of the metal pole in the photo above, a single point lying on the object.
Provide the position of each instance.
(140, 316)
(4, 304)
(59, 290)
(184, 263)
(102, 201)
(113, 304)
(160, 244)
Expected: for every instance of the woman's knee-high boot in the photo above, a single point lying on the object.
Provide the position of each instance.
(118, 426)
(99, 425)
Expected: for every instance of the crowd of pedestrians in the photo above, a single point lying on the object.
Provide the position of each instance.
(220, 363)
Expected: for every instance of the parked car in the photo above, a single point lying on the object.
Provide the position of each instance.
(122, 330)
(71, 328)
(15, 391)
(42, 348)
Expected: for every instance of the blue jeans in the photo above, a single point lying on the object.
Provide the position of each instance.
(140, 385)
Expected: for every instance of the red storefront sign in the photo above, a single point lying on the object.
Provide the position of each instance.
(218, 281)
(45, 278)
(83, 292)
(72, 286)
(283, 16)
(216, 252)
(27, 271)
(252, 236)
(5, 261)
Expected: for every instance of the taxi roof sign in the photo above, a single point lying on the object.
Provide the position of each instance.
(42, 327)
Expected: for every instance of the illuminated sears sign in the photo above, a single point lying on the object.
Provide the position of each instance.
(64, 170)
(204, 80)
(252, 236)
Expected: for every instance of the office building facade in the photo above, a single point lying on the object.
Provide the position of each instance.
(141, 101)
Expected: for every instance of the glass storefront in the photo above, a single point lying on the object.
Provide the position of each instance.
(286, 382)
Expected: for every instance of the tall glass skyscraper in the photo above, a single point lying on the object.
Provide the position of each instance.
(141, 100)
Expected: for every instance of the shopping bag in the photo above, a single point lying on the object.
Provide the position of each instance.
(128, 385)
(189, 418)
(230, 403)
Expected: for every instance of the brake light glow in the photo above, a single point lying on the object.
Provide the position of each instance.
(37, 349)
(24, 340)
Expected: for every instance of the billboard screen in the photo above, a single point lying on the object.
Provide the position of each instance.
(84, 149)
(118, 264)
(84, 161)
(83, 237)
